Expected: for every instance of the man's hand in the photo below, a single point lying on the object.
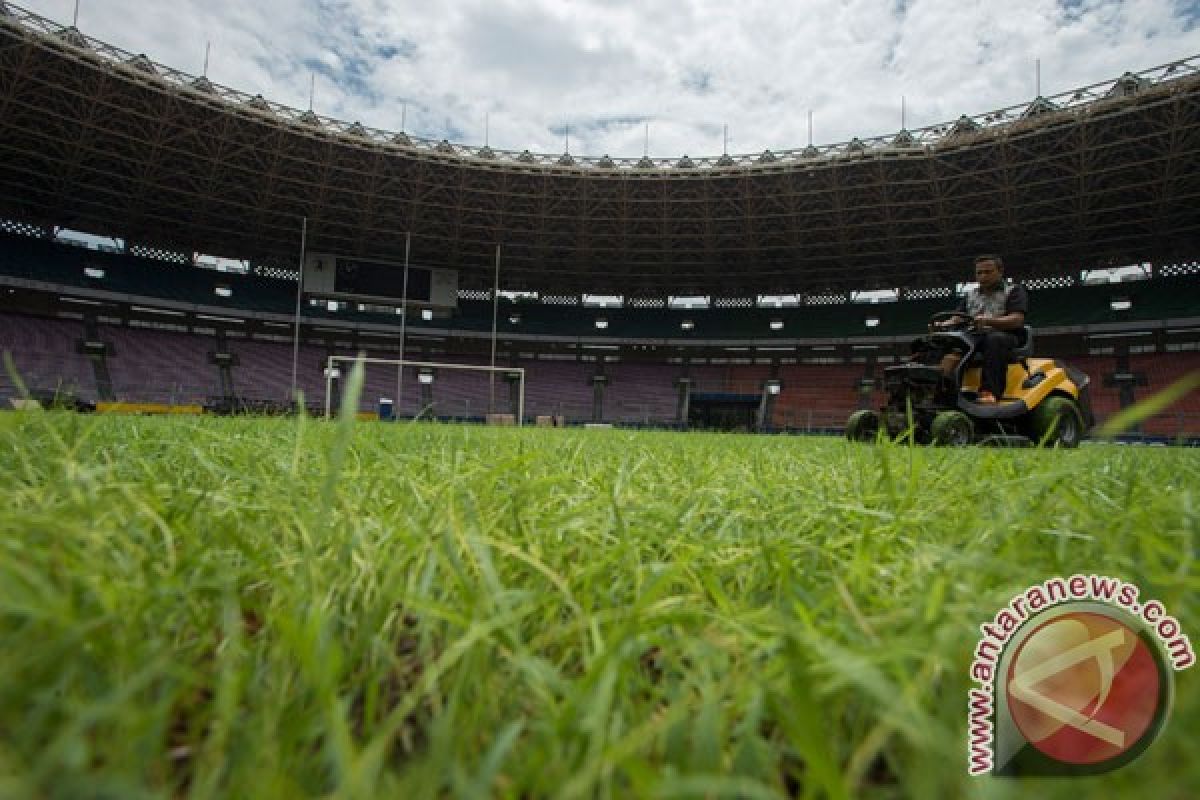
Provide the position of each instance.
(984, 322)
(948, 323)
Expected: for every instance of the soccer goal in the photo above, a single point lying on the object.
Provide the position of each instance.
(432, 389)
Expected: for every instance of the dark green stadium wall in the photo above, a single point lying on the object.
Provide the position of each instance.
(63, 266)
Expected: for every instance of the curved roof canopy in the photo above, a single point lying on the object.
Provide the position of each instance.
(98, 139)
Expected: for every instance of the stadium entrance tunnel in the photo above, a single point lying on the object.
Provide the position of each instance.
(724, 411)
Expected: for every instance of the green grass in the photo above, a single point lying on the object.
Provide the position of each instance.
(268, 608)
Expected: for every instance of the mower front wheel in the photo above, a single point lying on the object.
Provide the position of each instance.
(951, 429)
(1056, 421)
(863, 426)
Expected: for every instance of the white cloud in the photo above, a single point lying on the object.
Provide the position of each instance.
(687, 67)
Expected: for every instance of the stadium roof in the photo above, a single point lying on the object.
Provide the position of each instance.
(99, 139)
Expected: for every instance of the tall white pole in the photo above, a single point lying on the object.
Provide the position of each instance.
(328, 386)
(495, 314)
(299, 294)
(403, 327)
(521, 399)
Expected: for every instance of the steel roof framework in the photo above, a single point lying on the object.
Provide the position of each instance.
(99, 140)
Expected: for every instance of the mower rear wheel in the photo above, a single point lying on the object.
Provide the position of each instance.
(951, 429)
(863, 426)
(1056, 421)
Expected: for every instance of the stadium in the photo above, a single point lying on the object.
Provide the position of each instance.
(212, 589)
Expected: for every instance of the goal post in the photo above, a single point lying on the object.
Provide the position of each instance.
(337, 367)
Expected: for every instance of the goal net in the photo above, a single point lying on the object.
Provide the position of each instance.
(407, 389)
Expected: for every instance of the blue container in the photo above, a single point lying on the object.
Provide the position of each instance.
(386, 411)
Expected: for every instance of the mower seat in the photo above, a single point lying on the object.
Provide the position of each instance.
(1024, 348)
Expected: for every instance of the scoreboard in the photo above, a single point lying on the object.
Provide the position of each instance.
(349, 277)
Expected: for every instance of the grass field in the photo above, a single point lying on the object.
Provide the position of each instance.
(269, 608)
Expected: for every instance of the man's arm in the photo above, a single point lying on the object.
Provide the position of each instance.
(1012, 321)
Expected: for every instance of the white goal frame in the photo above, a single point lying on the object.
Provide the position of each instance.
(400, 363)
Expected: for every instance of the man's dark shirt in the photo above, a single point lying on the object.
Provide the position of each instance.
(1008, 299)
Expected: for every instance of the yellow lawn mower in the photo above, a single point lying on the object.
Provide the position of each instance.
(1045, 401)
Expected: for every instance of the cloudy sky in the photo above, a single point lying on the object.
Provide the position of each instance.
(606, 68)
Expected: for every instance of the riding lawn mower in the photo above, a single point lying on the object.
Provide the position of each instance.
(1045, 401)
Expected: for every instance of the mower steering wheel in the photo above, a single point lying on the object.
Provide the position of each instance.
(966, 324)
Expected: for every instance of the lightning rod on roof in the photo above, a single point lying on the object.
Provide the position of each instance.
(810, 127)
(207, 49)
(903, 114)
(403, 115)
(646, 143)
(312, 88)
(1037, 77)
(485, 129)
(75, 19)
(724, 140)
(566, 137)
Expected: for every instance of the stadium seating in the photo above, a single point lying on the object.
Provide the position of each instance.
(148, 365)
(263, 372)
(731, 379)
(1163, 370)
(816, 396)
(559, 388)
(1182, 417)
(641, 394)
(152, 366)
(46, 355)
(1105, 400)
